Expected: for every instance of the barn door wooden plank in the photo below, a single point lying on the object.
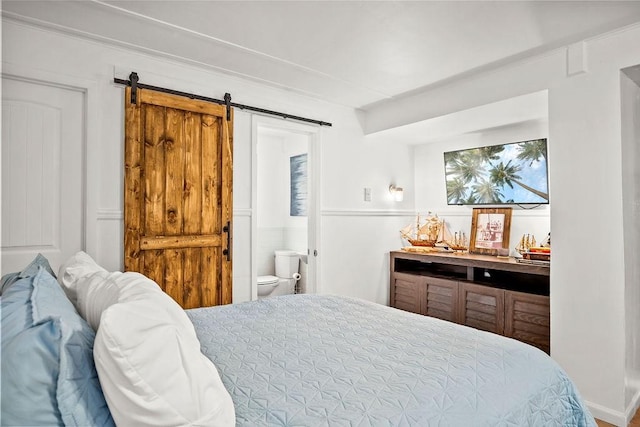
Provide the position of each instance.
(133, 184)
(191, 293)
(173, 276)
(210, 286)
(210, 184)
(192, 202)
(192, 199)
(153, 266)
(174, 185)
(210, 190)
(161, 99)
(154, 170)
(154, 188)
(226, 213)
(174, 176)
(186, 241)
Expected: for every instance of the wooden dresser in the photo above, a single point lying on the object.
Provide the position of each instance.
(481, 291)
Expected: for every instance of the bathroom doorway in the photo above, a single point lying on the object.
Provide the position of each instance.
(284, 200)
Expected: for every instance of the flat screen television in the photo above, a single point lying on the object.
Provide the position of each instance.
(513, 173)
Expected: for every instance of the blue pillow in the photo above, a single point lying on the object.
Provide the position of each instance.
(30, 270)
(48, 374)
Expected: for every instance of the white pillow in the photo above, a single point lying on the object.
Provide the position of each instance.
(92, 289)
(149, 362)
(73, 270)
(100, 290)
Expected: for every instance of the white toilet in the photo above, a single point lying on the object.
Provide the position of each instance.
(284, 282)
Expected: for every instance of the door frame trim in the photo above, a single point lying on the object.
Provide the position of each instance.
(313, 133)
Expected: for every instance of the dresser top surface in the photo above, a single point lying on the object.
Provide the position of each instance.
(474, 260)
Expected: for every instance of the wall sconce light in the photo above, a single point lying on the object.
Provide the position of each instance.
(397, 193)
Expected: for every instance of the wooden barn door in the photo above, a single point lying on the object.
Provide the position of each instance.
(177, 198)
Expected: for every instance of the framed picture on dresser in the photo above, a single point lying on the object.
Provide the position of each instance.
(489, 230)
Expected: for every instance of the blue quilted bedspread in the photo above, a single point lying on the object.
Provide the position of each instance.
(310, 360)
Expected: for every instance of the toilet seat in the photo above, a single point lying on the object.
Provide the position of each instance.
(266, 285)
(267, 280)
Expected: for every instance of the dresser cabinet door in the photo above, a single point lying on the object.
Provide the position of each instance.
(407, 292)
(441, 298)
(527, 319)
(482, 307)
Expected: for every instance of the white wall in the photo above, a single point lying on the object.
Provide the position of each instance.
(630, 88)
(587, 273)
(351, 226)
(271, 207)
(431, 194)
(276, 228)
(348, 162)
(272, 188)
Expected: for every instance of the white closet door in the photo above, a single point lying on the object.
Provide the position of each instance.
(42, 172)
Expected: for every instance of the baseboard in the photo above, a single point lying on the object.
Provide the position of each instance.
(632, 407)
(605, 414)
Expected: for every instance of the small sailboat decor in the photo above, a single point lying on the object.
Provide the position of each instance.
(526, 241)
(457, 241)
(424, 231)
(430, 231)
(531, 252)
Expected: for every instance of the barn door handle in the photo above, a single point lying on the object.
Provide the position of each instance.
(227, 251)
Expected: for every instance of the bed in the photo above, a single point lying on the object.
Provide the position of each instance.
(116, 350)
(310, 360)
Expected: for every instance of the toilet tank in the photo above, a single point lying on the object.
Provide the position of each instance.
(287, 263)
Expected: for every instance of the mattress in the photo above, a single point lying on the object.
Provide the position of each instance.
(311, 360)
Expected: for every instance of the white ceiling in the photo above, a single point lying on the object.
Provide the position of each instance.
(524, 109)
(350, 52)
(355, 53)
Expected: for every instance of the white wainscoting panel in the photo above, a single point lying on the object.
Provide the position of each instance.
(30, 149)
(243, 289)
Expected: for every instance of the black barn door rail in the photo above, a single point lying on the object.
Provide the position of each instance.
(133, 82)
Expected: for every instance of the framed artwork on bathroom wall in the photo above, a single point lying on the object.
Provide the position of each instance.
(298, 166)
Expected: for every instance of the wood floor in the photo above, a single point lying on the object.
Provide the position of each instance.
(635, 421)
